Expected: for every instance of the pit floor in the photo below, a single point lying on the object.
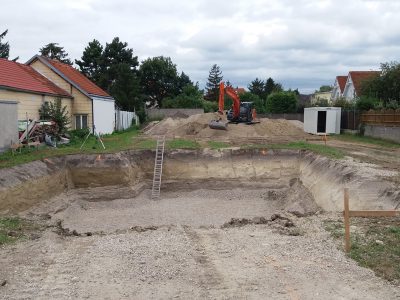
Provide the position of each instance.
(178, 248)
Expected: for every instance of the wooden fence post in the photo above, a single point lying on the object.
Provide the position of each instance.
(346, 220)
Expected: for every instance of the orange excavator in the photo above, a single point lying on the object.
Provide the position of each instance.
(241, 112)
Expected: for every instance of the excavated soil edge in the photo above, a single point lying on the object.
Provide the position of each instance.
(24, 186)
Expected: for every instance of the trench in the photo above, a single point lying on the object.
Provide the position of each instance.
(307, 182)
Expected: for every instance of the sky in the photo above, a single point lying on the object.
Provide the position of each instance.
(299, 43)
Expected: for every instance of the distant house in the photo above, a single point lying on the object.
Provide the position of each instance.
(338, 87)
(354, 81)
(23, 84)
(317, 96)
(239, 90)
(91, 107)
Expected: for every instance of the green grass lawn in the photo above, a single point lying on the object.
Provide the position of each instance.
(367, 140)
(7, 225)
(217, 145)
(374, 245)
(117, 141)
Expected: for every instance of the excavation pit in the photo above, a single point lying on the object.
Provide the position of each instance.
(226, 226)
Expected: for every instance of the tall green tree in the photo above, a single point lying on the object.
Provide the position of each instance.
(159, 79)
(257, 87)
(91, 61)
(54, 51)
(114, 54)
(212, 85)
(271, 86)
(4, 47)
(386, 86)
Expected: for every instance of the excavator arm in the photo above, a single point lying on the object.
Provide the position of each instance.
(231, 93)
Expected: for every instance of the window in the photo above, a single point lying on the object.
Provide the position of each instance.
(81, 121)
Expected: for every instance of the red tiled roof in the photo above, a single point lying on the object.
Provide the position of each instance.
(22, 77)
(359, 76)
(342, 82)
(77, 77)
(240, 90)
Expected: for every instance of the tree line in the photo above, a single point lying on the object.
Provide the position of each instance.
(156, 82)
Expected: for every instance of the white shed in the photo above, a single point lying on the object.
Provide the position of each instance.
(322, 120)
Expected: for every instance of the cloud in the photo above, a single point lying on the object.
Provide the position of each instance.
(302, 44)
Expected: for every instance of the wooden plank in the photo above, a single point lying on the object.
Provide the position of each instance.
(346, 221)
(374, 213)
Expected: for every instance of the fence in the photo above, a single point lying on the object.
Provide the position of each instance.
(123, 119)
(388, 117)
(350, 119)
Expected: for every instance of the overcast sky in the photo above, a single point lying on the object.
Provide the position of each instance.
(300, 43)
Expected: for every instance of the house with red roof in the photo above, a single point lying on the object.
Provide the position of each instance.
(338, 87)
(354, 81)
(92, 107)
(23, 84)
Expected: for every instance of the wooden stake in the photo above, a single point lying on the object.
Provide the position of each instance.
(346, 221)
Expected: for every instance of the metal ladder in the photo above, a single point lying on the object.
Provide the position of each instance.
(158, 164)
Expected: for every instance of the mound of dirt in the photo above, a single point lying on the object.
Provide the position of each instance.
(197, 126)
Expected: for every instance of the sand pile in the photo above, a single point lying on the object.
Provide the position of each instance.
(196, 126)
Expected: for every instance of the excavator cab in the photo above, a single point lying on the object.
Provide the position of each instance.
(245, 113)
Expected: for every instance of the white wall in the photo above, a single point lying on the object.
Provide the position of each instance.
(103, 115)
(310, 120)
(123, 119)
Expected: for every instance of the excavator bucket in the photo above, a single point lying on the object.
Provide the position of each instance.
(218, 124)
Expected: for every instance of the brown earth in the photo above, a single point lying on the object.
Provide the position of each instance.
(196, 126)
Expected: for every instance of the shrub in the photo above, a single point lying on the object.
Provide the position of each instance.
(282, 102)
(366, 103)
(54, 111)
(209, 106)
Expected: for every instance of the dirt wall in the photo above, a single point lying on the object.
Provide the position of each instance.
(23, 186)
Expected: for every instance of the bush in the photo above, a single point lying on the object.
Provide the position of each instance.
(54, 111)
(79, 133)
(209, 106)
(343, 103)
(258, 103)
(366, 103)
(282, 102)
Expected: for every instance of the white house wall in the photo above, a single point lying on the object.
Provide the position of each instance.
(103, 115)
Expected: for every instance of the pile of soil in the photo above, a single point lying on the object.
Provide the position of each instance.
(196, 126)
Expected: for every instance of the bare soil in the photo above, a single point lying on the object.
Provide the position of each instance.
(200, 244)
(196, 126)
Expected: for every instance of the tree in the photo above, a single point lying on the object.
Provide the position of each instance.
(91, 61)
(125, 88)
(325, 88)
(258, 103)
(114, 54)
(159, 79)
(257, 87)
(270, 87)
(212, 85)
(386, 86)
(191, 97)
(54, 111)
(282, 102)
(53, 51)
(4, 47)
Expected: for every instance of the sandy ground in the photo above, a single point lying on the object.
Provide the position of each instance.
(180, 247)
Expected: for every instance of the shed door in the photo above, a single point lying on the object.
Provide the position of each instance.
(321, 121)
(331, 121)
